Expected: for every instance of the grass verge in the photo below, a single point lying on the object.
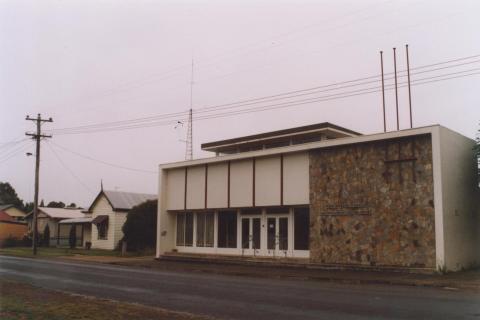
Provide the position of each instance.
(20, 301)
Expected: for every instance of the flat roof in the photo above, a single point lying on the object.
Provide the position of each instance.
(304, 147)
(326, 128)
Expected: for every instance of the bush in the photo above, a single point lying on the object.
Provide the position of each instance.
(72, 239)
(140, 229)
(10, 242)
(46, 237)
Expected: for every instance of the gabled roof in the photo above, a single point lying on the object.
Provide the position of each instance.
(60, 213)
(6, 217)
(123, 201)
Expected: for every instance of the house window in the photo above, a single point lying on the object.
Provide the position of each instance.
(102, 230)
(227, 229)
(185, 229)
(205, 226)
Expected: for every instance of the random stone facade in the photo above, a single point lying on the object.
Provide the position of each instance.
(372, 204)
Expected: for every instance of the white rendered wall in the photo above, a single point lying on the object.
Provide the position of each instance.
(296, 178)
(165, 220)
(267, 181)
(241, 183)
(217, 185)
(460, 201)
(196, 187)
(175, 181)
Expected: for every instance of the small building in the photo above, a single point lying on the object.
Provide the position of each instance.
(11, 228)
(109, 213)
(51, 218)
(329, 195)
(13, 211)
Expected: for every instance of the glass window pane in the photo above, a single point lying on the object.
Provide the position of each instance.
(188, 229)
(200, 229)
(180, 229)
(271, 230)
(283, 233)
(256, 233)
(245, 233)
(301, 228)
(209, 229)
(227, 229)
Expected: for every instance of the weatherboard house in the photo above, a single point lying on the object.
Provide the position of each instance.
(330, 196)
(109, 213)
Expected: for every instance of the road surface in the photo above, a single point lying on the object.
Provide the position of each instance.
(231, 297)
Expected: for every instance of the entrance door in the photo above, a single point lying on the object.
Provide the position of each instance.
(251, 235)
(277, 236)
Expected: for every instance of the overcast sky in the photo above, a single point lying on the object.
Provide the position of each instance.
(88, 62)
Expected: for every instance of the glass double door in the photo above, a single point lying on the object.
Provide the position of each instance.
(251, 235)
(269, 238)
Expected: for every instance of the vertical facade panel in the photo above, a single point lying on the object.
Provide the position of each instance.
(296, 178)
(241, 183)
(267, 181)
(217, 188)
(175, 189)
(196, 187)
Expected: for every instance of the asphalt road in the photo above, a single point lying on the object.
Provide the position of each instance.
(243, 297)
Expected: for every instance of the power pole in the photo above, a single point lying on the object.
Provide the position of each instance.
(37, 136)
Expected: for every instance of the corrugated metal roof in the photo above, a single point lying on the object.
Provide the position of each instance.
(77, 220)
(127, 200)
(5, 216)
(62, 213)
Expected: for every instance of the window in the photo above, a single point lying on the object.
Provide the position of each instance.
(185, 229)
(102, 230)
(205, 226)
(227, 229)
(301, 227)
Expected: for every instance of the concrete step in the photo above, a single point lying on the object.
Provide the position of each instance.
(283, 263)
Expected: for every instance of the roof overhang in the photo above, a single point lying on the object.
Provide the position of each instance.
(100, 219)
(304, 147)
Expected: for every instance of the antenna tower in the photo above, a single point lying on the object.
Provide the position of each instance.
(189, 143)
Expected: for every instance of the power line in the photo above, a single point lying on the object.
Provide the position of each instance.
(101, 161)
(253, 101)
(259, 108)
(69, 170)
(18, 151)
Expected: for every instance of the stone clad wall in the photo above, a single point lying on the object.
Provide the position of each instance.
(372, 204)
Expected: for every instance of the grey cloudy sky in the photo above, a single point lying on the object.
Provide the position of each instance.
(87, 62)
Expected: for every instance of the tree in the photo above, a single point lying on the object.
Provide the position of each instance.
(8, 195)
(42, 204)
(46, 236)
(140, 229)
(54, 204)
(72, 239)
(72, 205)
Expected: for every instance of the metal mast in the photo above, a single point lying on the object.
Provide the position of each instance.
(189, 143)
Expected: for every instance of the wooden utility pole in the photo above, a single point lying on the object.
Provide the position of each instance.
(37, 136)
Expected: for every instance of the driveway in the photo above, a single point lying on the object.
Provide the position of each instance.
(243, 297)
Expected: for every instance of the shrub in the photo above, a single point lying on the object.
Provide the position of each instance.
(140, 229)
(72, 239)
(46, 237)
(10, 242)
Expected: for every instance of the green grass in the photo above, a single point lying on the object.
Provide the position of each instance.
(19, 301)
(56, 252)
